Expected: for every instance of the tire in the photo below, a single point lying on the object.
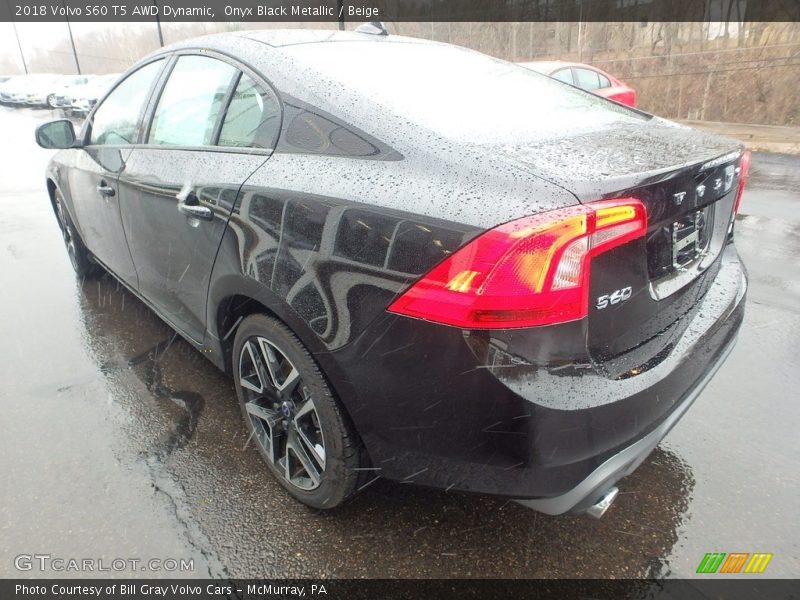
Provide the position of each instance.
(79, 255)
(50, 100)
(293, 417)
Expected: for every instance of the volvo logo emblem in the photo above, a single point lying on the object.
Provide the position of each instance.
(701, 189)
(678, 198)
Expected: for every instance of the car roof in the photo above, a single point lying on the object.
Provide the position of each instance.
(276, 39)
(287, 37)
(544, 66)
(548, 66)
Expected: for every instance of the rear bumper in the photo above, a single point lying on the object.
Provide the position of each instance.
(527, 414)
(592, 488)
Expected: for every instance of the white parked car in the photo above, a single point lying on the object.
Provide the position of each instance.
(8, 86)
(90, 93)
(63, 96)
(43, 94)
(16, 89)
(39, 87)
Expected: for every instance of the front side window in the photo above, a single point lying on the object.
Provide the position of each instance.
(586, 79)
(191, 101)
(253, 117)
(115, 121)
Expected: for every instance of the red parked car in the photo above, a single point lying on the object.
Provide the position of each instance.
(587, 78)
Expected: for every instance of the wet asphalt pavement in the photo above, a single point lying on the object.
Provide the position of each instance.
(121, 441)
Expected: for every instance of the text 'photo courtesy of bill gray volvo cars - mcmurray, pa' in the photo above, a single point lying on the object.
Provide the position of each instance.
(415, 261)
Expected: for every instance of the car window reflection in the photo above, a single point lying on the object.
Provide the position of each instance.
(319, 254)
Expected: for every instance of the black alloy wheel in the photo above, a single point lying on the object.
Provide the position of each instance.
(292, 416)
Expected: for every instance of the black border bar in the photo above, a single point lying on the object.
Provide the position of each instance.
(746, 587)
(399, 10)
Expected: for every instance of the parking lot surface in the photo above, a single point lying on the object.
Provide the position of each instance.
(121, 441)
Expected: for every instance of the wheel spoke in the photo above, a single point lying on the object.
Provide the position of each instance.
(290, 383)
(263, 374)
(266, 427)
(287, 464)
(317, 451)
(272, 360)
(277, 363)
(246, 380)
(259, 411)
(295, 447)
(304, 409)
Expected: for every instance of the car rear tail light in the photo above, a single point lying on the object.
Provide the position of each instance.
(529, 272)
(744, 171)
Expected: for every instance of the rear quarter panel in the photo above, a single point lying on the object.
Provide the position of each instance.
(327, 263)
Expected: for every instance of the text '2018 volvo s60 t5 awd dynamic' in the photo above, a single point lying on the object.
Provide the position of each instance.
(416, 262)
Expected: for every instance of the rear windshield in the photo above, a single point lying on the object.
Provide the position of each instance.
(459, 94)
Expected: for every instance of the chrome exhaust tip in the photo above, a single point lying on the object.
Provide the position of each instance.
(599, 508)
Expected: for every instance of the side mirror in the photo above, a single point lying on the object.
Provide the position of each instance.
(56, 135)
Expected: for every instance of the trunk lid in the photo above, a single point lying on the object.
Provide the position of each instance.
(642, 294)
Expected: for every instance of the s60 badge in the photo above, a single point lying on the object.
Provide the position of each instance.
(614, 297)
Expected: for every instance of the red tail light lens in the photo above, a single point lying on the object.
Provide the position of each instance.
(744, 171)
(529, 272)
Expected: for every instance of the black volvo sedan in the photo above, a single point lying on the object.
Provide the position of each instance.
(416, 261)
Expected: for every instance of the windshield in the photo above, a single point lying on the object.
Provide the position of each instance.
(457, 93)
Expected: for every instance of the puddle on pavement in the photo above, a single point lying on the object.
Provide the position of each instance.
(177, 412)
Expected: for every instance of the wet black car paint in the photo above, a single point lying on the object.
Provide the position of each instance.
(326, 239)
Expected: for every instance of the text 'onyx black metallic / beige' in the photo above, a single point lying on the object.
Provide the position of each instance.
(416, 261)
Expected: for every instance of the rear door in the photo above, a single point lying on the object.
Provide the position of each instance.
(589, 80)
(212, 125)
(93, 181)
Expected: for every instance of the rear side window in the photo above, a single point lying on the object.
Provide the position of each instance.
(564, 75)
(586, 79)
(253, 117)
(115, 121)
(190, 104)
(311, 133)
(604, 82)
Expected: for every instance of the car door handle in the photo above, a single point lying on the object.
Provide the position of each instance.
(196, 211)
(105, 189)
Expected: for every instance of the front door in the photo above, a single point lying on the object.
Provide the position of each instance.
(93, 182)
(212, 128)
